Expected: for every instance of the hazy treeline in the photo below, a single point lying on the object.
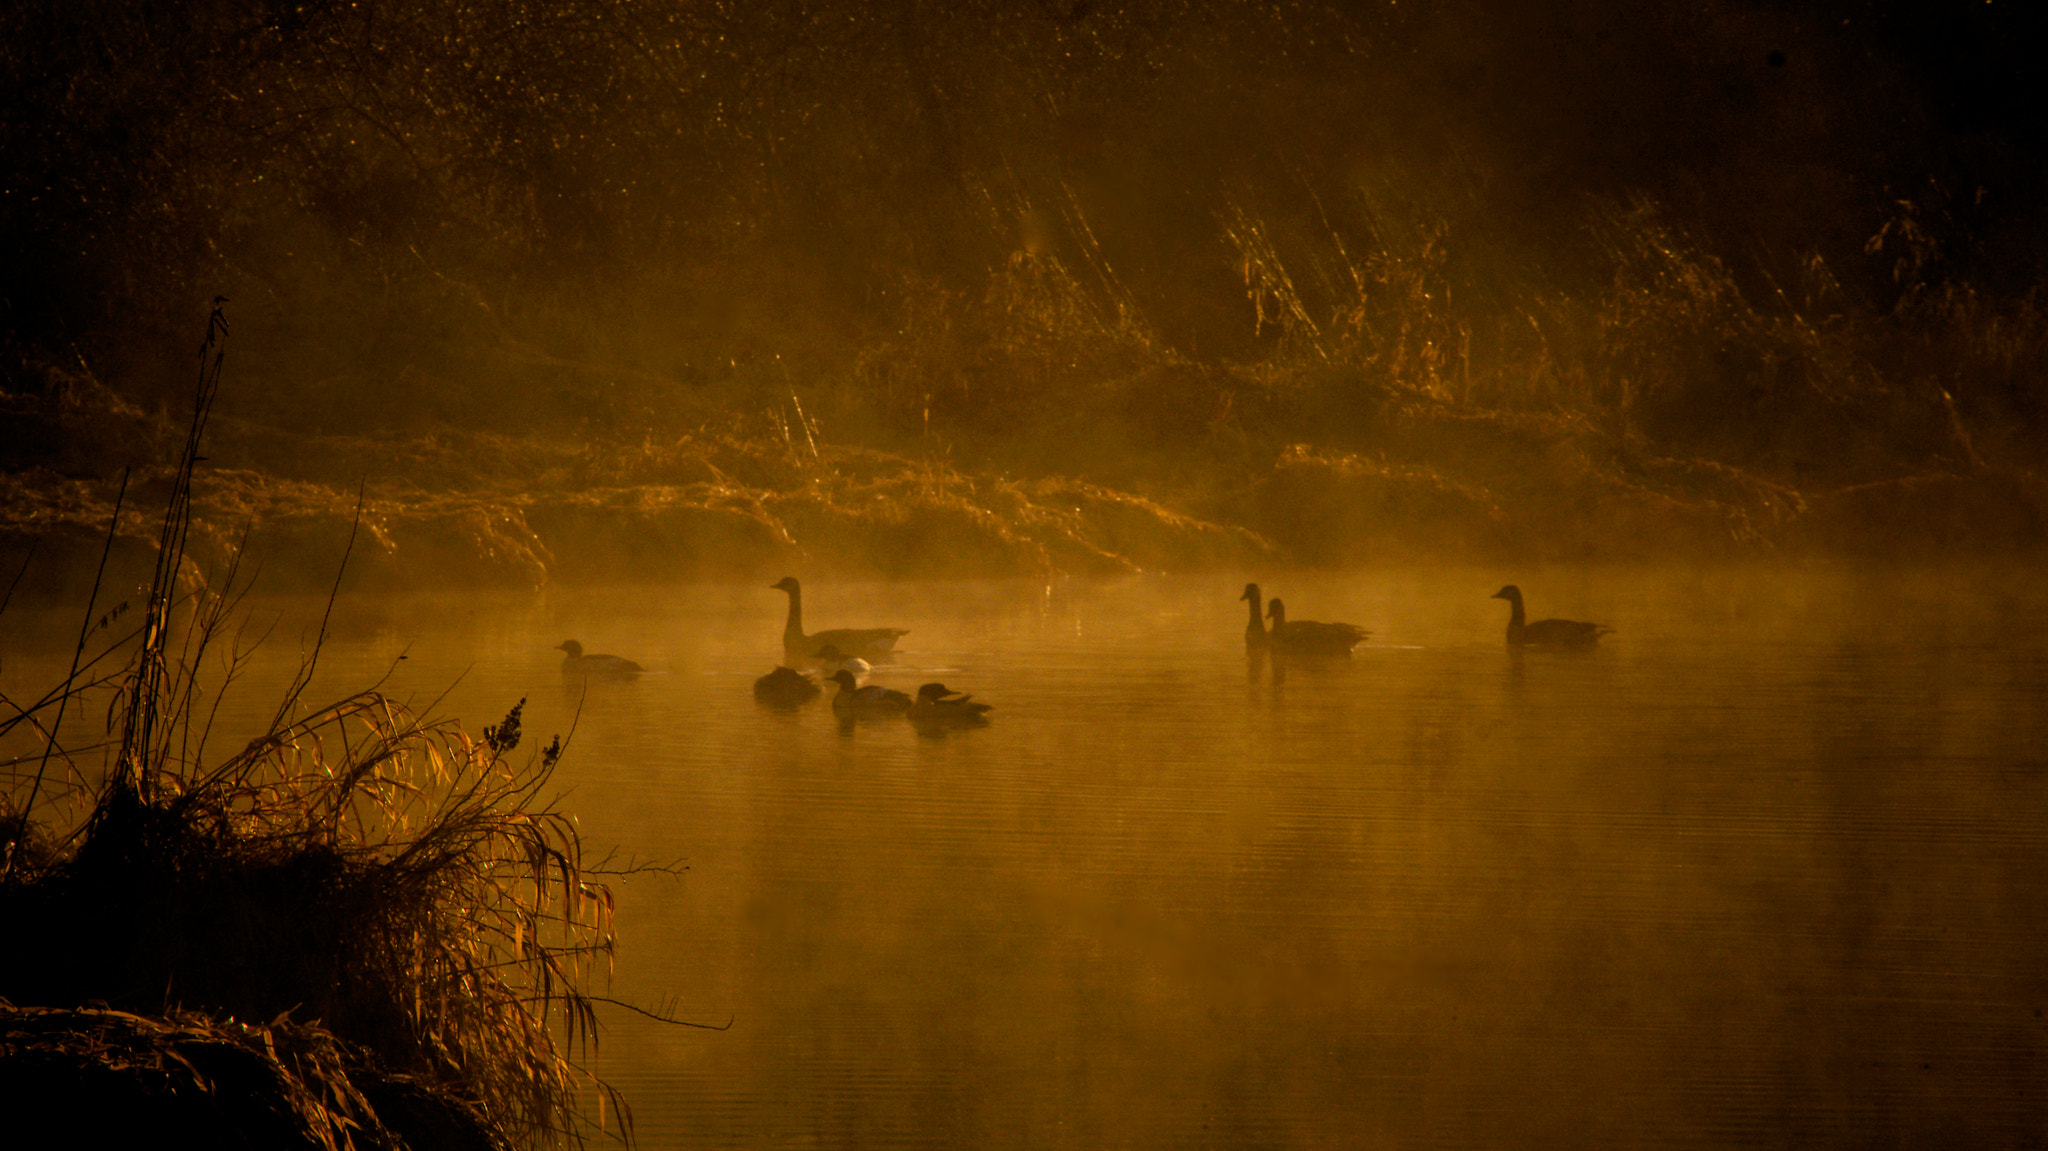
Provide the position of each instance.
(1157, 244)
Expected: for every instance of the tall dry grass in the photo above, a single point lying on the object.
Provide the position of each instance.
(390, 880)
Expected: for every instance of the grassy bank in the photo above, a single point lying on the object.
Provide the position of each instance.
(1030, 288)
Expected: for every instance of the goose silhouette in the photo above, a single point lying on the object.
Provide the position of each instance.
(1309, 637)
(1546, 632)
(862, 642)
(1255, 631)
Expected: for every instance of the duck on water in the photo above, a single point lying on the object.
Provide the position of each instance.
(1546, 632)
(595, 666)
(939, 705)
(852, 642)
(870, 700)
(785, 687)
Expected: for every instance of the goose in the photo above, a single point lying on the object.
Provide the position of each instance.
(1255, 631)
(867, 643)
(938, 704)
(600, 666)
(1558, 632)
(1308, 637)
(830, 658)
(785, 687)
(870, 700)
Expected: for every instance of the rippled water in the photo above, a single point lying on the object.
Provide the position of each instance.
(1766, 868)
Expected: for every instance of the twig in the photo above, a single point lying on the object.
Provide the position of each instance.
(70, 680)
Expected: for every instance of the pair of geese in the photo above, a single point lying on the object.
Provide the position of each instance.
(1308, 637)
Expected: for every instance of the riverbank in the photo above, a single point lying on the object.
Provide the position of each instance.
(1430, 481)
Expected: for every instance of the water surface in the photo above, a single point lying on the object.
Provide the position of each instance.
(1765, 868)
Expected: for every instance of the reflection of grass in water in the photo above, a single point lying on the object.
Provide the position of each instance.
(370, 895)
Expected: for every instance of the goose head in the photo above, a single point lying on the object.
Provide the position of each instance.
(844, 679)
(1510, 592)
(574, 648)
(786, 583)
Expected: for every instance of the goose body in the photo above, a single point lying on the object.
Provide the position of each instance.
(600, 666)
(865, 643)
(939, 705)
(1310, 637)
(870, 700)
(1255, 631)
(785, 687)
(1546, 632)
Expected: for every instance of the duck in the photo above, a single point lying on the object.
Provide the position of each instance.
(866, 643)
(830, 658)
(599, 666)
(1308, 637)
(1255, 631)
(938, 704)
(1550, 632)
(786, 687)
(870, 700)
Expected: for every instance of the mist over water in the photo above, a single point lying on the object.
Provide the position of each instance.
(1761, 869)
(1720, 324)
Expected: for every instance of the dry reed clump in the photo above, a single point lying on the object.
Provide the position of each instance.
(382, 896)
(398, 884)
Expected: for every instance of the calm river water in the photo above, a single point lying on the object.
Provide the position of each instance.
(1766, 868)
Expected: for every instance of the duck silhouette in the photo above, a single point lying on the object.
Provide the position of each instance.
(786, 687)
(870, 700)
(595, 666)
(1309, 637)
(938, 704)
(865, 643)
(1546, 632)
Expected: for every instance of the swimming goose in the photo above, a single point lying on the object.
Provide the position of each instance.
(1558, 632)
(938, 704)
(785, 687)
(867, 643)
(870, 700)
(601, 666)
(1308, 637)
(1255, 631)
